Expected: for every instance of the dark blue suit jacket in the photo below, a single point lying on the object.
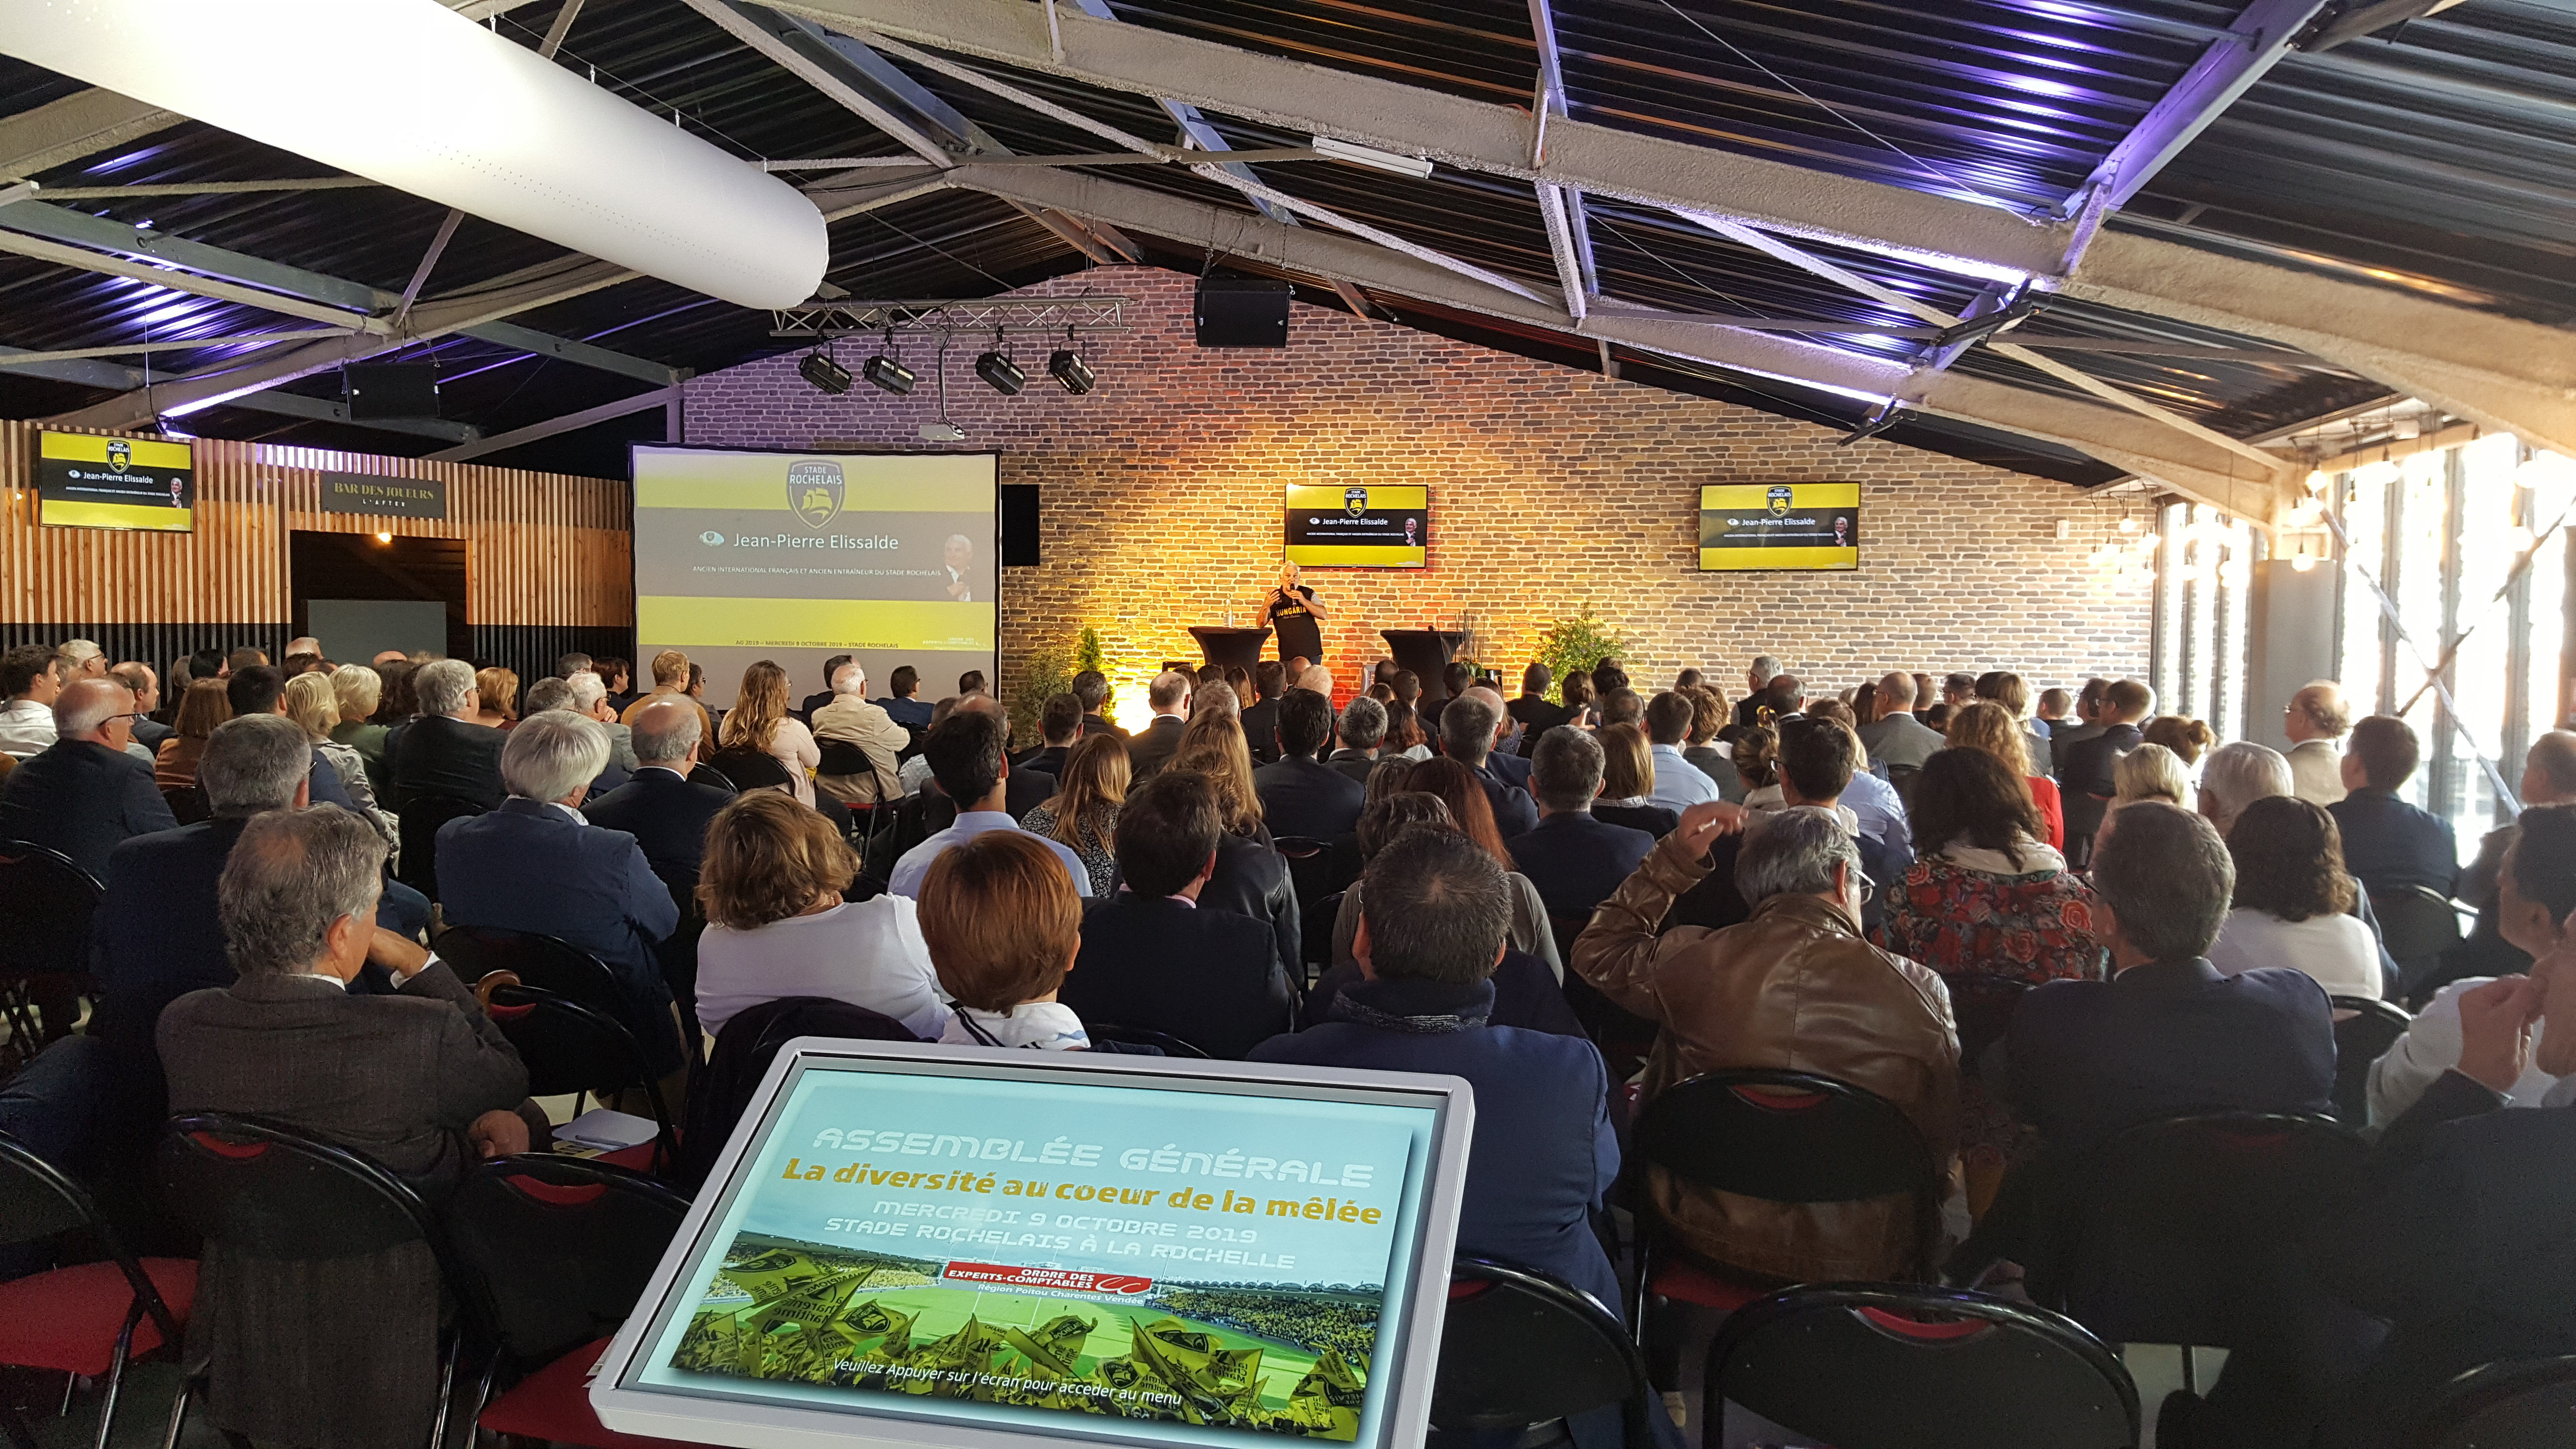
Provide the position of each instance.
(2086, 1059)
(1306, 797)
(665, 813)
(2390, 845)
(1515, 813)
(322, 784)
(81, 799)
(528, 866)
(433, 755)
(1542, 1154)
(1510, 769)
(1577, 861)
(1212, 978)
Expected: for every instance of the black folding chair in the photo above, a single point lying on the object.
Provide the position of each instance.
(560, 967)
(2165, 1233)
(1310, 866)
(1793, 1137)
(1520, 1348)
(46, 901)
(421, 817)
(90, 1319)
(555, 1252)
(2417, 924)
(677, 953)
(2506, 1405)
(706, 774)
(749, 769)
(265, 1190)
(2361, 1039)
(742, 1054)
(1888, 1366)
(1138, 1036)
(188, 803)
(570, 1050)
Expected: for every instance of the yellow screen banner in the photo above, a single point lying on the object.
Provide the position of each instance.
(757, 482)
(140, 452)
(1760, 560)
(1755, 497)
(1334, 496)
(1354, 555)
(683, 622)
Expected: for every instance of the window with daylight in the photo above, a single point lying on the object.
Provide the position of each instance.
(2198, 653)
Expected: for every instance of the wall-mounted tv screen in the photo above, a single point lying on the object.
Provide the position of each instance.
(1759, 526)
(87, 481)
(1358, 525)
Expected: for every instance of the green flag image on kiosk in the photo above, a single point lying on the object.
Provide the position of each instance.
(944, 1246)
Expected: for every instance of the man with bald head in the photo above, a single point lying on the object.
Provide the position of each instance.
(2315, 719)
(659, 805)
(1896, 737)
(1504, 765)
(84, 793)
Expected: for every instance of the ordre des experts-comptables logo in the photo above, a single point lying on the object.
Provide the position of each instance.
(1779, 500)
(815, 489)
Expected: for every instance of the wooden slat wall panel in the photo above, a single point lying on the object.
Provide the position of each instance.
(545, 549)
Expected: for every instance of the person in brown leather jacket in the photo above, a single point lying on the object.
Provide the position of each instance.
(1795, 988)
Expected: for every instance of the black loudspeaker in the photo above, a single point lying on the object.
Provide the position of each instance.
(1242, 312)
(393, 390)
(1019, 525)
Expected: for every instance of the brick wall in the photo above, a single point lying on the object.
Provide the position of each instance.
(1552, 489)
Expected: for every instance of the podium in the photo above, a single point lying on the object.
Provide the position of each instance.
(1223, 646)
(1426, 652)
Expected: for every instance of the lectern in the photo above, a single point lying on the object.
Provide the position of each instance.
(1426, 652)
(1230, 646)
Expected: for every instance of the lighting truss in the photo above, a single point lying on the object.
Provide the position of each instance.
(1055, 316)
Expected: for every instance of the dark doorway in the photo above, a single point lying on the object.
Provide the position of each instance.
(373, 566)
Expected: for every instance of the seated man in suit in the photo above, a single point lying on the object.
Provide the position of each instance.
(84, 793)
(1896, 737)
(1151, 958)
(967, 762)
(1535, 712)
(1506, 765)
(1301, 795)
(552, 693)
(905, 706)
(1435, 921)
(1363, 732)
(848, 718)
(1794, 987)
(2389, 845)
(1270, 679)
(261, 689)
(665, 812)
(537, 865)
(2085, 766)
(1150, 750)
(1573, 859)
(138, 676)
(1060, 729)
(444, 752)
(1091, 687)
(1468, 727)
(342, 1352)
(822, 697)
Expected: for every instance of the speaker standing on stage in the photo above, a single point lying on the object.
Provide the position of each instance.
(1294, 613)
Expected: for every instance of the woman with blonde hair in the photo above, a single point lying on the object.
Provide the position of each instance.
(358, 691)
(1627, 779)
(315, 708)
(1986, 725)
(760, 724)
(499, 689)
(1212, 744)
(1082, 815)
(2150, 772)
(204, 706)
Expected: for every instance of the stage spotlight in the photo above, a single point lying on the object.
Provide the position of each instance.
(1001, 373)
(826, 375)
(888, 374)
(1067, 367)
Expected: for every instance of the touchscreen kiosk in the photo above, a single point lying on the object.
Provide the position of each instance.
(951, 1246)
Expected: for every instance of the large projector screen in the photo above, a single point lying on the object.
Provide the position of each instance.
(795, 557)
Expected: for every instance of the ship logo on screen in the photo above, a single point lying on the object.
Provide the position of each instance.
(1779, 499)
(1355, 501)
(119, 454)
(814, 491)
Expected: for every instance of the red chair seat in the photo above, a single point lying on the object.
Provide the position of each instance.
(554, 1404)
(1693, 1284)
(67, 1320)
(638, 1158)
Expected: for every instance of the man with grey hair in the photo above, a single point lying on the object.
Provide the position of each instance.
(538, 866)
(2235, 776)
(1468, 725)
(84, 792)
(1756, 679)
(590, 701)
(1795, 986)
(420, 1081)
(1896, 739)
(662, 807)
(1575, 860)
(2314, 719)
(957, 567)
(561, 694)
(1363, 730)
(136, 675)
(862, 745)
(445, 753)
(1502, 763)
(1316, 677)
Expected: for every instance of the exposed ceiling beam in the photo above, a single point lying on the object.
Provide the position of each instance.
(63, 256)
(543, 344)
(22, 359)
(2120, 438)
(1561, 208)
(206, 188)
(2233, 63)
(332, 410)
(87, 372)
(569, 422)
(61, 224)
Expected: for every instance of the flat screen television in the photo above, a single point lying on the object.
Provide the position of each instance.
(1358, 525)
(1745, 527)
(87, 481)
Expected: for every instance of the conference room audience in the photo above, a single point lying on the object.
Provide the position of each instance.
(1462, 793)
(259, 689)
(1404, 732)
(310, 702)
(1532, 709)
(1059, 725)
(916, 770)
(149, 728)
(1709, 714)
(30, 681)
(1897, 739)
(1628, 779)
(356, 693)
(444, 752)
(805, 708)
(535, 864)
(967, 760)
(1579, 700)
(555, 692)
(1542, 1154)
(1215, 696)
(1091, 687)
(497, 691)
(1004, 926)
(1794, 987)
(1874, 803)
(1212, 745)
(2236, 775)
(759, 724)
(2150, 772)
(396, 703)
(1757, 679)
(673, 676)
(2055, 711)
(771, 887)
(2548, 778)
(2293, 902)
(903, 702)
(1152, 960)
(1300, 794)
(1984, 725)
(1083, 813)
(1503, 761)
(341, 1350)
(1152, 747)
(83, 793)
(2314, 719)
(2388, 844)
(588, 695)
(1571, 857)
(848, 717)
(1678, 784)
(1622, 706)
(1261, 718)
(1468, 726)
(2188, 739)
(204, 706)
(1363, 729)
(2085, 766)
(2005, 689)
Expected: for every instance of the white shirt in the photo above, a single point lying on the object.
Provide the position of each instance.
(1679, 784)
(914, 772)
(1047, 1026)
(26, 728)
(2336, 949)
(915, 864)
(2431, 1046)
(867, 953)
(1880, 810)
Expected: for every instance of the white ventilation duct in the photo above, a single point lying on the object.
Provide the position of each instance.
(411, 94)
